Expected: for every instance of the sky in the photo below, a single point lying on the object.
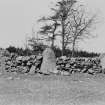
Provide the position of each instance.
(17, 17)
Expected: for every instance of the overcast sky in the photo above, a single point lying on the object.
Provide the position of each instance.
(18, 16)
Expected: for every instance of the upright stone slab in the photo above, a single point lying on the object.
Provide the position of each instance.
(49, 62)
(32, 70)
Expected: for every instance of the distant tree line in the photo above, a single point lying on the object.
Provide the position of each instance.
(68, 52)
(58, 52)
(19, 51)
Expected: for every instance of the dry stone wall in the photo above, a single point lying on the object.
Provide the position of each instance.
(102, 62)
(32, 64)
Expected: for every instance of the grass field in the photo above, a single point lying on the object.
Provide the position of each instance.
(77, 89)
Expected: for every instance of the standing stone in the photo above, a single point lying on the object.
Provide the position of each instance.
(49, 62)
(32, 70)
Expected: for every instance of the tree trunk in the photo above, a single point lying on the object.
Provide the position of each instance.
(73, 49)
(63, 34)
(52, 43)
(53, 37)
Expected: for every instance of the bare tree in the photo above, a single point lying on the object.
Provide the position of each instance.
(80, 26)
(35, 41)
